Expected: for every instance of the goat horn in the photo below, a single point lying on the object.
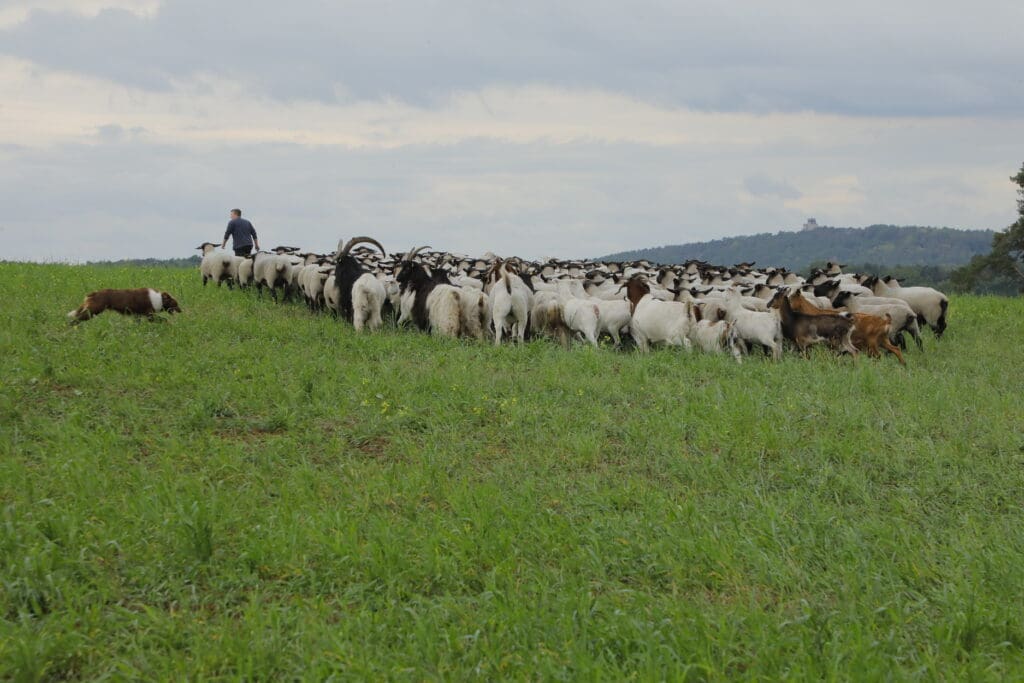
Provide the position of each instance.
(360, 240)
(415, 250)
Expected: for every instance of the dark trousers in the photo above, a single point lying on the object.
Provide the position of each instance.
(243, 251)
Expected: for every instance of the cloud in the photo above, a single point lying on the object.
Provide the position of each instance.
(136, 198)
(16, 12)
(764, 186)
(130, 128)
(701, 55)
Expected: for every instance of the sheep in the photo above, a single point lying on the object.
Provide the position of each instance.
(755, 327)
(215, 265)
(656, 321)
(244, 275)
(331, 295)
(929, 304)
(271, 271)
(238, 273)
(359, 295)
(312, 279)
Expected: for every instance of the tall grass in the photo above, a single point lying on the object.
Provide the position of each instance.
(249, 491)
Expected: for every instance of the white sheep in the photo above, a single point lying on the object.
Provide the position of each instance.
(929, 304)
(271, 271)
(216, 265)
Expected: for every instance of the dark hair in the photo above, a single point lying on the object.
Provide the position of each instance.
(238, 211)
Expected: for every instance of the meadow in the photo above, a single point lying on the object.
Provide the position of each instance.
(248, 491)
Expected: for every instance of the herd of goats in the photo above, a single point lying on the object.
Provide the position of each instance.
(713, 308)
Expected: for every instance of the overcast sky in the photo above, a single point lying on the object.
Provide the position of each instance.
(129, 128)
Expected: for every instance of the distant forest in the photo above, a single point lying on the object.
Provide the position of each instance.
(190, 262)
(884, 246)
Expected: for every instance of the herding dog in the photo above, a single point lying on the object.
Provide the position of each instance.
(142, 301)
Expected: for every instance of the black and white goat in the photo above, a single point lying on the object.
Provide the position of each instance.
(360, 295)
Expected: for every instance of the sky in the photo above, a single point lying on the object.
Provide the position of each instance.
(129, 128)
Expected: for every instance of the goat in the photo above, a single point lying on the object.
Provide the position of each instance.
(583, 316)
(714, 336)
(546, 318)
(509, 301)
(654, 320)
(805, 329)
(614, 318)
(359, 295)
(871, 332)
(755, 327)
(901, 314)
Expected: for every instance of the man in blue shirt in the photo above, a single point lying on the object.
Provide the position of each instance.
(242, 234)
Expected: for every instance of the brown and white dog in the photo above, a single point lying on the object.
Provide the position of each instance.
(142, 301)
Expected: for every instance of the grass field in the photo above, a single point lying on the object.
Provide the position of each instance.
(249, 491)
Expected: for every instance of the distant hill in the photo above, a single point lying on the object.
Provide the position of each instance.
(885, 245)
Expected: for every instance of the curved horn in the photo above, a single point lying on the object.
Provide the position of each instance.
(415, 250)
(359, 240)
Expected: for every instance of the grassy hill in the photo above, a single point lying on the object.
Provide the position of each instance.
(886, 245)
(248, 491)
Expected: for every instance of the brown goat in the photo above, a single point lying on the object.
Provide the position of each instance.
(636, 289)
(866, 328)
(871, 332)
(805, 329)
(142, 301)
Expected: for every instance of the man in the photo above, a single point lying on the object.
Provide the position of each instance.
(242, 234)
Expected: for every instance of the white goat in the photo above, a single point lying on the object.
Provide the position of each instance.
(755, 327)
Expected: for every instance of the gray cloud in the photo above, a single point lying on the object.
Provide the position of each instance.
(763, 186)
(135, 199)
(868, 58)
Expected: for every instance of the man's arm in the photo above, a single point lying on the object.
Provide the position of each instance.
(255, 239)
(227, 233)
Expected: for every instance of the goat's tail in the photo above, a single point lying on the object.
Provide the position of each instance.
(507, 280)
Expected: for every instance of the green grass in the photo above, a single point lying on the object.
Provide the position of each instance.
(249, 491)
